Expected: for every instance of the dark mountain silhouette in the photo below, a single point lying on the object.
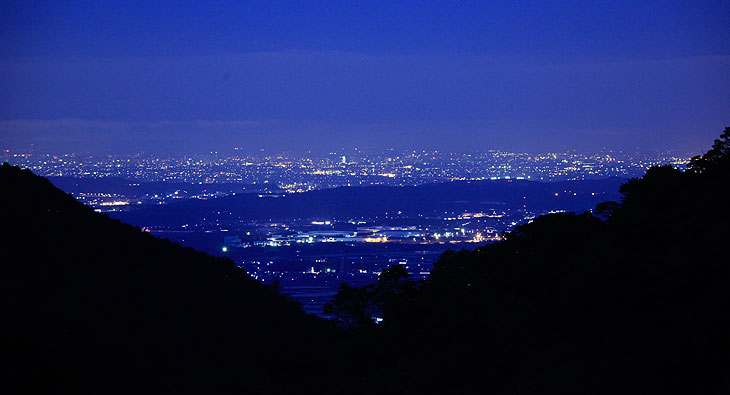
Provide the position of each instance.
(94, 305)
(633, 299)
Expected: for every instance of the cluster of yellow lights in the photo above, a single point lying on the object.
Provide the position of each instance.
(376, 239)
(326, 172)
(479, 215)
(115, 203)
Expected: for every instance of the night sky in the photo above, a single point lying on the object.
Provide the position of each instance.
(189, 76)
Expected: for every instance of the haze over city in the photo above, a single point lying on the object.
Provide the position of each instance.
(184, 78)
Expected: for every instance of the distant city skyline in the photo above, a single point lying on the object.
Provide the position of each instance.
(300, 173)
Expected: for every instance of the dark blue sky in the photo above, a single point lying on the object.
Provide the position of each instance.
(178, 76)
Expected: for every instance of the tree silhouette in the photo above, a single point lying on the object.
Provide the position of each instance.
(361, 307)
(630, 296)
(716, 159)
(353, 306)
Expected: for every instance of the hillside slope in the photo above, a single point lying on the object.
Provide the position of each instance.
(633, 299)
(93, 305)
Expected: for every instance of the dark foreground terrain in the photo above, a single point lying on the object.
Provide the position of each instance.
(630, 299)
(94, 305)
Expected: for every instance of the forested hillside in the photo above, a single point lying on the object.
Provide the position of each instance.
(630, 298)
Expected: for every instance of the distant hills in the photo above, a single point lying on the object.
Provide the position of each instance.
(372, 201)
(138, 189)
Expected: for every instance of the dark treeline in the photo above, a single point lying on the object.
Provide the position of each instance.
(631, 298)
